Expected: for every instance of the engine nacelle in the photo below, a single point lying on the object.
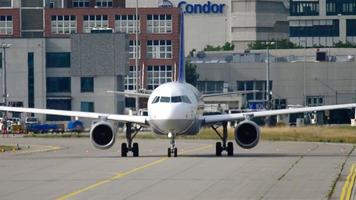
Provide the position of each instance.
(102, 135)
(247, 134)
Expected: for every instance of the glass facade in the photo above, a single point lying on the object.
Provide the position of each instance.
(103, 3)
(259, 86)
(58, 60)
(6, 25)
(159, 23)
(80, 3)
(342, 7)
(127, 23)
(209, 87)
(31, 80)
(304, 8)
(58, 84)
(159, 49)
(130, 79)
(95, 21)
(313, 28)
(132, 49)
(157, 75)
(58, 104)
(63, 24)
(87, 106)
(86, 84)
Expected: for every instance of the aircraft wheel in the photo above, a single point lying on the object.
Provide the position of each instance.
(218, 148)
(124, 150)
(135, 149)
(169, 152)
(230, 149)
(175, 152)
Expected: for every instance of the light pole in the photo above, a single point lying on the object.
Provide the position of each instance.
(267, 77)
(304, 73)
(4, 46)
(136, 58)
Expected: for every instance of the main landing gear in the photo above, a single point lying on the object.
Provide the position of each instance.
(173, 149)
(129, 146)
(223, 145)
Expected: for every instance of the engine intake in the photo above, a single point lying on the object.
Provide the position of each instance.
(247, 134)
(102, 135)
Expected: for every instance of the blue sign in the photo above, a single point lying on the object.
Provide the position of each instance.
(206, 8)
(256, 105)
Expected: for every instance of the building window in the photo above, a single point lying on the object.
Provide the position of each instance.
(159, 49)
(95, 21)
(58, 84)
(81, 3)
(87, 106)
(315, 28)
(65, 24)
(315, 100)
(0, 60)
(209, 87)
(86, 84)
(157, 75)
(127, 23)
(6, 25)
(103, 3)
(58, 60)
(58, 104)
(6, 4)
(159, 23)
(258, 87)
(130, 79)
(31, 80)
(302, 8)
(132, 49)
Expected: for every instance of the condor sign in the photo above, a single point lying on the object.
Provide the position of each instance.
(206, 8)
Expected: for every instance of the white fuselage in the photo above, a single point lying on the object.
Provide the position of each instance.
(175, 108)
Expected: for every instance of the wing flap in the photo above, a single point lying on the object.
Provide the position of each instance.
(229, 117)
(116, 117)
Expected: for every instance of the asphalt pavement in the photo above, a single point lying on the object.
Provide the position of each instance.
(71, 168)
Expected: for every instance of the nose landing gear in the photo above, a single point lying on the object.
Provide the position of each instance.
(173, 149)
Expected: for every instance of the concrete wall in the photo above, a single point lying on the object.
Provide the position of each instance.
(99, 54)
(17, 71)
(334, 81)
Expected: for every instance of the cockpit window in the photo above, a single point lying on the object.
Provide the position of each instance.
(176, 99)
(165, 99)
(186, 99)
(156, 99)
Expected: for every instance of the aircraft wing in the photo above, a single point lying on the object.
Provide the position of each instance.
(122, 118)
(210, 119)
(130, 94)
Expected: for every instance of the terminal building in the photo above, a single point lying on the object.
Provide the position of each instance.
(65, 54)
(298, 77)
(214, 22)
(322, 23)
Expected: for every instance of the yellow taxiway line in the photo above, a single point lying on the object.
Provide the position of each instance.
(120, 175)
(349, 183)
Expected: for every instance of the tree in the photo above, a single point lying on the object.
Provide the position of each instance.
(226, 47)
(191, 75)
(278, 44)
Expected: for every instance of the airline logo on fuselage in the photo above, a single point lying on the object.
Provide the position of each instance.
(206, 8)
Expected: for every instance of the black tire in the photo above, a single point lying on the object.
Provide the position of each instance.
(218, 148)
(175, 152)
(230, 149)
(124, 150)
(135, 149)
(169, 154)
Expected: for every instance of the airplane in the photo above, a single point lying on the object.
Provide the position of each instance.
(175, 109)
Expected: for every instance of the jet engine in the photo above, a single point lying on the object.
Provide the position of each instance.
(247, 134)
(102, 135)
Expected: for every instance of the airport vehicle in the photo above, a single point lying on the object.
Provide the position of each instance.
(175, 109)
